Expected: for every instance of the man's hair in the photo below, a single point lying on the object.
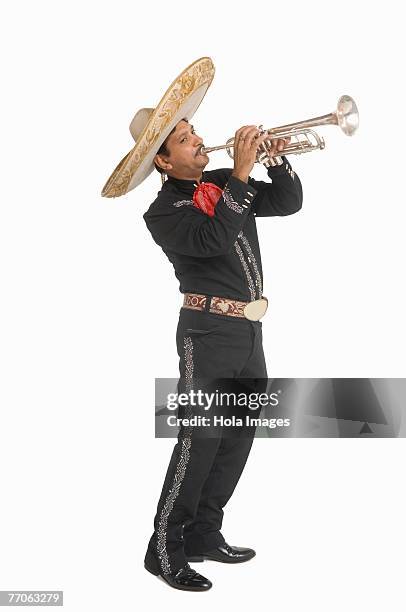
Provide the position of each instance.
(163, 149)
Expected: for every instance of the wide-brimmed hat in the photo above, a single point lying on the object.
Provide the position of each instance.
(151, 126)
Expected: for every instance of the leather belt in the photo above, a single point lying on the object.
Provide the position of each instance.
(254, 311)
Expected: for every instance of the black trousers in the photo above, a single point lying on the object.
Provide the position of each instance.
(203, 471)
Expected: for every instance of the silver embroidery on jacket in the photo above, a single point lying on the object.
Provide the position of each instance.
(228, 199)
(183, 203)
(247, 245)
(291, 172)
(246, 269)
(180, 468)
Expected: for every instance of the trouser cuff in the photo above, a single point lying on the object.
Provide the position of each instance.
(197, 544)
(168, 562)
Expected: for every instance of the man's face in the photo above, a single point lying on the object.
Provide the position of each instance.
(184, 159)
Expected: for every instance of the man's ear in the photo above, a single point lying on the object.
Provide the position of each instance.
(160, 161)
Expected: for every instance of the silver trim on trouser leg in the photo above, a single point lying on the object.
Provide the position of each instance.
(180, 468)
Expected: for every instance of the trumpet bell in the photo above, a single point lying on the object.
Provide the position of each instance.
(347, 115)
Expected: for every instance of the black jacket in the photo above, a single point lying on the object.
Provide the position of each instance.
(220, 255)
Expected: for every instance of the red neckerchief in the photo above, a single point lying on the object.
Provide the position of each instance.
(206, 196)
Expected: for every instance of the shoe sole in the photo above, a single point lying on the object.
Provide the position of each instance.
(201, 558)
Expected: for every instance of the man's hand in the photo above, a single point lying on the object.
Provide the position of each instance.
(247, 140)
(277, 146)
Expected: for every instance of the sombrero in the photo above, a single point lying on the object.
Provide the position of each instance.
(151, 126)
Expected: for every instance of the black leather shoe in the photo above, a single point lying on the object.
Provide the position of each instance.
(225, 554)
(185, 579)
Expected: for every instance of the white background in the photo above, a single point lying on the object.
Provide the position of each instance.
(84, 330)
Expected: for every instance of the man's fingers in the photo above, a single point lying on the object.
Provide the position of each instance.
(258, 141)
(251, 136)
(242, 131)
(273, 146)
(248, 134)
(281, 144)
(245, 137)
(277, 145)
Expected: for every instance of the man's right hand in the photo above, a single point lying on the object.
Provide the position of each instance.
(246, 142)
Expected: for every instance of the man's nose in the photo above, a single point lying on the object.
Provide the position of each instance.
(198, 140)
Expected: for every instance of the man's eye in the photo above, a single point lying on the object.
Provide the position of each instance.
(185, 137)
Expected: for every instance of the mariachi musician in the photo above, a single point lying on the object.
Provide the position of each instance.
(205, 222)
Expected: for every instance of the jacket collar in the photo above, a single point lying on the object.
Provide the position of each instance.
(185, 185)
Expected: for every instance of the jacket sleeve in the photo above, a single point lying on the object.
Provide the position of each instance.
(282, 197)
(181, 227)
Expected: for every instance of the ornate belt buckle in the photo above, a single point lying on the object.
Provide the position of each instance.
(254, 311)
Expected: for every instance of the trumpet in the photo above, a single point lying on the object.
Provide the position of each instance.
(304, 139)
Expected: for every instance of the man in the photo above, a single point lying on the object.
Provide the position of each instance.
(205, 222)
